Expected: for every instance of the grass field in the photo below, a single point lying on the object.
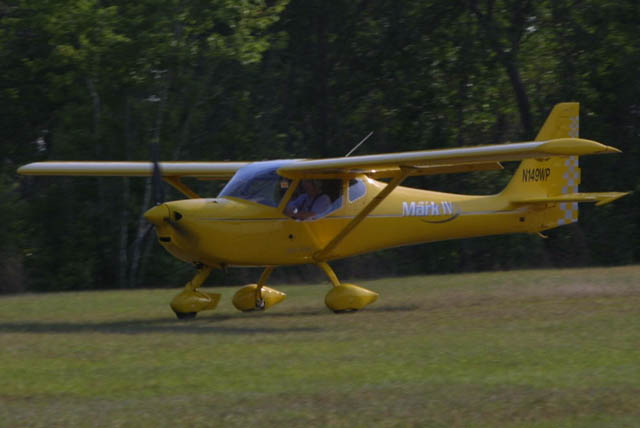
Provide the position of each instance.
(539, 348)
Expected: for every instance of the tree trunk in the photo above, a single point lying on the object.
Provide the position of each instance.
(322, 78)
(141, 233)
(144, 227)
(102, 244)
(522, 98)
(123, 258)
(505, 42)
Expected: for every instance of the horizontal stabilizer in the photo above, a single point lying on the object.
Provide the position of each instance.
(601, 198)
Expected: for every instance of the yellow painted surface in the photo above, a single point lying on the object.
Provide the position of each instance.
(246, 298)
(349, 297)
(231, 231)
(189, 301)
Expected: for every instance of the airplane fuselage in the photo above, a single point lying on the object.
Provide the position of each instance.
(230, 231)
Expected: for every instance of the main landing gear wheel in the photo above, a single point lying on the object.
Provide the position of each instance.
(258, 297)
(345, 298)
(246, 299)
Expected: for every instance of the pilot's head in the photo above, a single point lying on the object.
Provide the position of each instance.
(311, 187)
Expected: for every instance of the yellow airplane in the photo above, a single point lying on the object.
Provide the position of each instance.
(289, 212)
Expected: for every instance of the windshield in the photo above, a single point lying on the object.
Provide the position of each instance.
(258, 182)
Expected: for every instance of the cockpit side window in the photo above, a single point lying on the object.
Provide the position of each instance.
(314, 199)
(357, 189)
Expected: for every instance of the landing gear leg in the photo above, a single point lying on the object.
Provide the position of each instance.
(263, 278)
(191, 300)
(258, 297)
(345, 297)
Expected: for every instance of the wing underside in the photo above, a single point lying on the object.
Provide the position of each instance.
(209, 170)
(172, 172)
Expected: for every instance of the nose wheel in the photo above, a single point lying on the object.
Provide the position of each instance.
(191, 300)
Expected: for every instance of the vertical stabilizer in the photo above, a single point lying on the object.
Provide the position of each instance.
(552, 176)
(562, 122)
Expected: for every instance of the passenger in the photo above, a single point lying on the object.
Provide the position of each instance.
(310, 202)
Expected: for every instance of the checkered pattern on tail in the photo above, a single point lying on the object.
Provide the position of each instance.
(571, 178)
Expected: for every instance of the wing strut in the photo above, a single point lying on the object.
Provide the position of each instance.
(404, 173)
(183, 188)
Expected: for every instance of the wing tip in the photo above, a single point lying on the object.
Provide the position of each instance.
(576, 147)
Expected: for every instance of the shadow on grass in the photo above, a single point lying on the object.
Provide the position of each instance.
(147, 326)
(327, 312)
(398, 308)
(208, 324)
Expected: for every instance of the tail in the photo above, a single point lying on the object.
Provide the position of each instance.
(550, 186)
(551, 177)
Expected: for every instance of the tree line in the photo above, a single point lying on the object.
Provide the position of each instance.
(252, 80)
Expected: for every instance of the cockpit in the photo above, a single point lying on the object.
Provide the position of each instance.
(311, 199)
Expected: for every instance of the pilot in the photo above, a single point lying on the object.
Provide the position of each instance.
(310, 202)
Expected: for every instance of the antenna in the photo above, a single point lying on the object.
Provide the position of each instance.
(359, 144)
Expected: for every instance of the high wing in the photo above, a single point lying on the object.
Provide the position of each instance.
(172, 172)
(383, 165)
(442, 161)
(210, 170)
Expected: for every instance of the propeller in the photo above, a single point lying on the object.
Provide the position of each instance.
(161, 213)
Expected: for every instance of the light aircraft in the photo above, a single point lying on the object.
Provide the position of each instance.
(259, 218)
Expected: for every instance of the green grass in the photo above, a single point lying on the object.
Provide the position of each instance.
(540, 348)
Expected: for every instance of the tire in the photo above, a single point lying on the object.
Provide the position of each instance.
(185, 315)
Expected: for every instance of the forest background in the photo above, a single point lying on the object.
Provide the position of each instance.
(251, 80)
